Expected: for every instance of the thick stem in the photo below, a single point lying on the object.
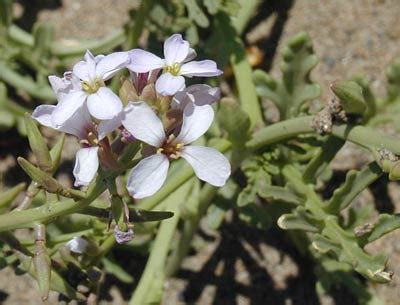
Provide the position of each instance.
(189, 229)
(241, 67)
(14, 79)
(153, 275)
(360, 135)
(105, 44)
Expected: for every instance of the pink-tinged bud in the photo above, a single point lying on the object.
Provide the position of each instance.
(127, 92)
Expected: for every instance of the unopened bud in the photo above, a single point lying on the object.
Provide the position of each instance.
(127, 92)
(394, 173)
(351, 96)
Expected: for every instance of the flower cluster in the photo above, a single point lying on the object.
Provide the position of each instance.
(154, 107)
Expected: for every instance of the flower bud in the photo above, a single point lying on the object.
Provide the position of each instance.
(351, 96)
(394, 173)
(127, 92)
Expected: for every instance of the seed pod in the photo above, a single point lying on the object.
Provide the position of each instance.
(38, 145)
(56, 152)
(45, 180)
(351, 96)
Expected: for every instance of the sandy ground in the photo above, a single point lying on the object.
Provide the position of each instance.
(242, 265)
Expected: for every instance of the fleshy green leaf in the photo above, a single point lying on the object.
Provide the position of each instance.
(7, 197)
(295, 87)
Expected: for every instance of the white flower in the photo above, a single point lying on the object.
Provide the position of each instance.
(177, 53)
(86, 86)
(77, 245)
(80, 125)
(150, 173)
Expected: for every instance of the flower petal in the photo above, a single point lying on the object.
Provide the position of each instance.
(205, 68)
(168, 84)
(67, 106)
(196, 121)
(176, 49)
(199, 94)
(86, 165)
(107, 126)
(141, 121)
(142, 61)
(43, 113)
(86, 69)
(77, 244)
(76, 125)
(104, 104)
(109, 65)
(148, 176)
(208, 164)
(192, 55)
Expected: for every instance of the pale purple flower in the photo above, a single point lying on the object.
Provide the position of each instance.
(150, 173)
(77, 245)
(199, 94)
(86, 85)
(177, 63)
(80, 124)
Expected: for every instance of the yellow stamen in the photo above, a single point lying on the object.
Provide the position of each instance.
(174, 69)
(92, 87)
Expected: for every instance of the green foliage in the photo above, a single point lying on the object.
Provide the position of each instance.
(295, 87)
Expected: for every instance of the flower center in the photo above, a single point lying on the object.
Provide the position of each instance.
(92, 87)
(170, 149)
(174, 69)
(91, 139)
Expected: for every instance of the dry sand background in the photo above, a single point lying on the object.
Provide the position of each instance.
(242, 265)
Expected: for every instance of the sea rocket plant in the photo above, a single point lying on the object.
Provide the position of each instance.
(161, 113)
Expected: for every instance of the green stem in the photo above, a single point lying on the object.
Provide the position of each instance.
(322, 158)
(47, 212)
(189, 229)
(360, 135)
(116, 38)
(241, 67)
(246, 12)
(136, 29)
(14, 79)
(152, 280)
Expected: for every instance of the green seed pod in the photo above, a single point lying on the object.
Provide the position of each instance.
(56, 152)
(38, 145)
(45, 180)
(351, 96)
